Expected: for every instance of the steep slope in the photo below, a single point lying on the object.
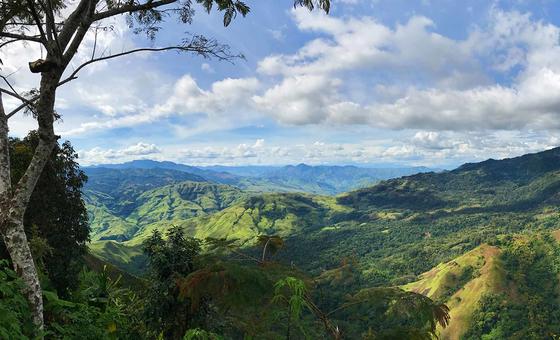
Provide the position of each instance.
(506, 291)
(177, 203)
(462, 283)
(271, 214)
(119, 215)
(128, 258)
(118, 189)
(510, 184)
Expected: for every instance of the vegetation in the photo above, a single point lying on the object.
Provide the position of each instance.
(367, 238)
(530, 310)
(58, 28)
(238, 265)
(56, 222)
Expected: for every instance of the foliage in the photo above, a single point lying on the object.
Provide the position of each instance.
(56, 219)
(532, 311)
(170, 260)
(15, 317)
(200, 334)
(292, 292)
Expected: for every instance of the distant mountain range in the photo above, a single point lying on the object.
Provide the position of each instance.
(322, 180)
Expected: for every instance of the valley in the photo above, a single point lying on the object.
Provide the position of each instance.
(439, 234)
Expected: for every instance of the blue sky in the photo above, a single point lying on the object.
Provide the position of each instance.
(376, 82)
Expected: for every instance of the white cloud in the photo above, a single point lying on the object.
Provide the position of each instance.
(186, 98)
(298, 99)
(453, 92)
(100, 156)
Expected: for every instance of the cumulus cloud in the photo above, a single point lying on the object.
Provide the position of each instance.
(186, 98)
(223, 154)
(454, 94)
(99, 155)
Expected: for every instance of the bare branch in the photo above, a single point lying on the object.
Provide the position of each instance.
(8, 42)
(38, 22)
(33, 38)
(51, 25)
(17, 96)
(8, 83)
(21, 107)
(212, 49)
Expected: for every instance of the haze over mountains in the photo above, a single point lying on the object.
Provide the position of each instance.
(327, 180)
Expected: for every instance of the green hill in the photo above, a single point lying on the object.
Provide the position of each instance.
(461, 283)
(505, 291)
(397, 229)
(165, 205)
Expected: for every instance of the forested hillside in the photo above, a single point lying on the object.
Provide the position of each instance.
(449, 235)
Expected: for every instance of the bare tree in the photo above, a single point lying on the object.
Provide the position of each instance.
(43, 22)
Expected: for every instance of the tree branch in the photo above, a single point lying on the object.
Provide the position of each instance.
(8, 42)
(71, 24)
(131, 8)
(21, 107)
(51, 24)
(35, 16)
(34, 38)
(17, 96)
(205, 51)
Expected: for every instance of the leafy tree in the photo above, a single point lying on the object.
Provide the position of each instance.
(56, 222)
(60, 36)
(170, 260)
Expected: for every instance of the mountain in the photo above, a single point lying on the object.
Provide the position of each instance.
(462, 237)
(320, 180)
(207, 175)
(325, 180)
(122, 202)
(398, 228)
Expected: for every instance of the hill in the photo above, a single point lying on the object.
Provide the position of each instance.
(501, 291)
(396, 230)
(120, 211)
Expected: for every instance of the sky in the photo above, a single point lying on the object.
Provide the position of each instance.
(376, 82)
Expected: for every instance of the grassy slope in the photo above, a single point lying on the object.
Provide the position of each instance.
(167, 205)
(126, 257)
(488, 277)
(272, 214)
(431, 218)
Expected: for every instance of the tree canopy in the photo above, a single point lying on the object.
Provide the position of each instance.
(56, 221)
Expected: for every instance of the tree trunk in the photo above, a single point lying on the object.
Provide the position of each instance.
(18, 247)
(12, 230)
(14, 201)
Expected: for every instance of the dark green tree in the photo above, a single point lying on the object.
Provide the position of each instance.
(56, 222)
(170, 259)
